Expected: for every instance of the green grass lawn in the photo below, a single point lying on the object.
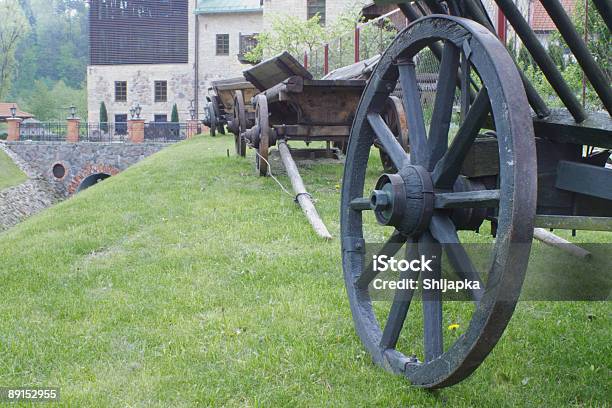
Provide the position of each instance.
(187, 280)
(10, 174)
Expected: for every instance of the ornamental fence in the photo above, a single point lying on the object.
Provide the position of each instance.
(43, 131)
(103, 132)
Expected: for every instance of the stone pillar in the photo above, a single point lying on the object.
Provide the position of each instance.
(136, 130)
(192, 128)
(72, 130)
(13, 129)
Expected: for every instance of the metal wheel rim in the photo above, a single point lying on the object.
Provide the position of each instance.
(240, 120)
(262, 124)
(213, 119)
(219, 118)
(516, 207)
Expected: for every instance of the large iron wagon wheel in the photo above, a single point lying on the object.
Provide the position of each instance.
(395, 118)
(239, 123)
(262, 126)
(212, 119)
(417, 201)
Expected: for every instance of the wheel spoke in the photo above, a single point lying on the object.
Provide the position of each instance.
(444, 231)
(432, 299)
(443, 106)
(465, 85)
(390, 248)
(388, 141)
(447, 169)
(419, 152)
(468, 199)
(401, 304)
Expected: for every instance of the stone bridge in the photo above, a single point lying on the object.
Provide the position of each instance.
(71, 167)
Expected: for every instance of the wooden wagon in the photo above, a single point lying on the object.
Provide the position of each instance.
(507, 159)
(226, 106)
(292, 106)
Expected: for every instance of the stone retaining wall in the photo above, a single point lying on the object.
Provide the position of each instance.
(79, 160)
(26, 199)
(20, 202)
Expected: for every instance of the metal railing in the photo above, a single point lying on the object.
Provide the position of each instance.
(165, 131)
(43, 131)
(103, 132)
(367, 40)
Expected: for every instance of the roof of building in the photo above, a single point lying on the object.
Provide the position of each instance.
(228, 6)
(541, 21)
(5, 111)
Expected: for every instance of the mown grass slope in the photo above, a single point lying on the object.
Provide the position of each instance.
(187, 280)
(10, 174)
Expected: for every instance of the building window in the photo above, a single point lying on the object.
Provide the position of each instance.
(246, 44)
(120, 91)
(315, 7)
(161, 91)
(160, 118)
(222, 44)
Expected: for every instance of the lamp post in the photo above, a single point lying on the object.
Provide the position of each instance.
(192, 125)
(72, 129)
(13, 125)
(136, 125)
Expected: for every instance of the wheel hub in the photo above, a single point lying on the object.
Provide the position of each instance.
(404, 200)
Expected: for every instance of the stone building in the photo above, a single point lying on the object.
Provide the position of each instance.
(156, 53)
(140, 54)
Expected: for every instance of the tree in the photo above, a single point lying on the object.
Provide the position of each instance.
(51, 101)
(103, 117)
(598, 35)
(13, 28)
(292, 34)
(174, 117)
(288, 33)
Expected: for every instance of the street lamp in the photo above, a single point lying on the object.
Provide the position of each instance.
(72, 111)
(192, 112)
(13, 110)
(138, 110)
(132, 112)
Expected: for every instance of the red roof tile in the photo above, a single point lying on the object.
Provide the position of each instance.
(5, 111)
(540, 20)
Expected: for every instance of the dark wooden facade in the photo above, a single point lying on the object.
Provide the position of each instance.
(138, 32)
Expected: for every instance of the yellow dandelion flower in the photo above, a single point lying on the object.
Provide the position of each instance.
(453, 326)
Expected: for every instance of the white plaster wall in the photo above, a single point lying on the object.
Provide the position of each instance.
(333, 9)
(214, 66)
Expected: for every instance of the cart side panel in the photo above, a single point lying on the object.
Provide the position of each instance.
(275, 70)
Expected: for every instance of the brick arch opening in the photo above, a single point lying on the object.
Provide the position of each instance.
(99, 173)
(92, 180)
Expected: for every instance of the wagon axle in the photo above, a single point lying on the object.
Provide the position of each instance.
(407, 200)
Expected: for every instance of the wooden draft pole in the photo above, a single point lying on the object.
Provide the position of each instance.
(301, 195)
(556, 241)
